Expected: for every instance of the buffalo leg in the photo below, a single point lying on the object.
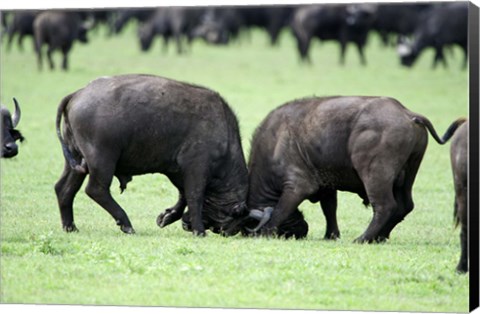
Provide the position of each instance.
(404, 207)
(286, 206)
(195, 184)
(402, 191)
(98, 188)
(172, 214)
(461, 213)
(49, 57)
(38, 49)
(439, 57)
(363, 60)
(20, 42)
(11, 34)
(303, 45)
(462, 266)
(384, 205)
(65, 51)
(328, 202)
(66, 188)
(378, 186)
(343, 51)
(465, 57)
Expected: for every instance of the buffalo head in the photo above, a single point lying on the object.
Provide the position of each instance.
(9, 134)
(406, 51)
(212, 32)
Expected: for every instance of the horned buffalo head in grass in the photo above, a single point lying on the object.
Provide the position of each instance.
(9, 134)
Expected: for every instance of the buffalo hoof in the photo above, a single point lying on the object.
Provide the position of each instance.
(127, 230)
(462, 268)
(70, 228)
(332, 236)
(268, 232)
(381, 239)
(166, 218)
(199, 233)
(362, 240)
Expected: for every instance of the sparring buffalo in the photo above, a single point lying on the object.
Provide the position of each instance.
(314, 147)
(131, 125)
(58, 30)
(9, 134)
(459, 161)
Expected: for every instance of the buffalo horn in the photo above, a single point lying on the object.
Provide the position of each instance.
(264, 217)
(16, 114)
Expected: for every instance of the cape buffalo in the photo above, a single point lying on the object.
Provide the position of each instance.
(21, 24)
(58, 30)
(441, 26)
(398, 19)
(131, 125)
(175, 22)
(9, 134)
(459, 161)
(313, 147)
(342, 23)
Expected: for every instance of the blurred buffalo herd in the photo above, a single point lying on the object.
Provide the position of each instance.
(409, 28)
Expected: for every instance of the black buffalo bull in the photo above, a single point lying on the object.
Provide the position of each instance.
(311, 148)
(459, 161)
(9, 134)
(136, 124)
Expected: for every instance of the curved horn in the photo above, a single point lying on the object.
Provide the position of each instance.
(16, 114)
(256, 214)
(263, 217)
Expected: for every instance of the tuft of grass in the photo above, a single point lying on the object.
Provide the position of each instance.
(414, 271)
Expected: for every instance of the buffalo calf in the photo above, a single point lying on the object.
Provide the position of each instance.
(311, 148)
(131, 125)
(9, 134)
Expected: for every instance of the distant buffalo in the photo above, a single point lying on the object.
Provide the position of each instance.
(459, 161)
(441, 26)
(58, 30)
(21, 25)
(398, 19)
(342, 23)
(131, 125)
(312, 148)
(170, 22)
(9, 134)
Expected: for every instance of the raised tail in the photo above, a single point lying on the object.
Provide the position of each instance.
(66, 151)
(448, 134)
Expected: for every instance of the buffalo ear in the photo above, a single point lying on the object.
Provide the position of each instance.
(16, 114)
(17, 135)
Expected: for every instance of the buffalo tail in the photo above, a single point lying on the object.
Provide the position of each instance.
(81, 168)
(448, 134)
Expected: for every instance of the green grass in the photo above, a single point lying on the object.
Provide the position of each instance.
(40, 263)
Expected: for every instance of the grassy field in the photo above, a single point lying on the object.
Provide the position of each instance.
(414, 271)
